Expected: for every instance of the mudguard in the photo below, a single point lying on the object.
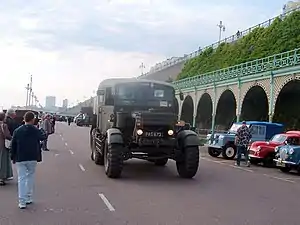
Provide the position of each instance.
(188, 138)
(114, 136)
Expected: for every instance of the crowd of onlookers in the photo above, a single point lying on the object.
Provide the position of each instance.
(22, 144)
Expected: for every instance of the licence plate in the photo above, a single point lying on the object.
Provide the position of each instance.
(153, 134)
(280, 164)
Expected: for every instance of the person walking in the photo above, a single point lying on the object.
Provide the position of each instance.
(5, 163)
(25, 153)
(10, 121)
(242, 140)
(46, 126)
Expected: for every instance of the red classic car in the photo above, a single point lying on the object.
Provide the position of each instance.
(264, 151)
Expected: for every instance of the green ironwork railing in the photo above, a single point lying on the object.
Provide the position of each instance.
(270, 63)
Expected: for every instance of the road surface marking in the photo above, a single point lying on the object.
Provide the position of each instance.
(280, 178)
(225, 164)
(240, 168)
(81, 167)
(72, 153)
(56, 155)
(66, 144)
(106, 202)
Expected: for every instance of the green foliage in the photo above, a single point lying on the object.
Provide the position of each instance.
(280, 36)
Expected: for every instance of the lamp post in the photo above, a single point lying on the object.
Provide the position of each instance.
(222, 29)
(142, 67)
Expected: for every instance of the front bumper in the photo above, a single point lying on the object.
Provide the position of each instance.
(156, 142)
(283, 163)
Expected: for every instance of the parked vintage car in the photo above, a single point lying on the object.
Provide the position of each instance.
(264, 151)
(287, 157)
(223, 143)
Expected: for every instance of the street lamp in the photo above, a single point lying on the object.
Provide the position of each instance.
(222, 28)
(142, 67)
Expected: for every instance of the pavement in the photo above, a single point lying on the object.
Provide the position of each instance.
(72, 190)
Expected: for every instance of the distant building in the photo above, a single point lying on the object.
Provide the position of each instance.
(290, 6)
(65, 103)
(50, 102)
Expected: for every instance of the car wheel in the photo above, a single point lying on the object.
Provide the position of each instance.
(213, 152)
(254, 161)
(285, 169)
(229, 151)
(113, 160)
(268, 162)
(161, 162)
(188, 166)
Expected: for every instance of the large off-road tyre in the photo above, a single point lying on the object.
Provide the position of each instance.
(229, 151)
(98, 157)
(113, 160)
(188, 166)
(161, 162)
(213, 152)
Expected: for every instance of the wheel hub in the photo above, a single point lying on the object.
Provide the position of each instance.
(230, 151)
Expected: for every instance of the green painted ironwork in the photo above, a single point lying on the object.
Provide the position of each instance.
(271, 63)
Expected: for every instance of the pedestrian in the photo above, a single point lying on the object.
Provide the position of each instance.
(5, 163)
(10, 120)
(25, 153)
(46, 126)
(242, 140)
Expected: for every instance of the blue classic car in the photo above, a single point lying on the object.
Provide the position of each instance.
(223, 143)
(287, 157)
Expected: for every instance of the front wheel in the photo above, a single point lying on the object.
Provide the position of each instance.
(213, 152)
(161, 162)
(113, 160)
(229, 151)
(188, 166)
(285, 169)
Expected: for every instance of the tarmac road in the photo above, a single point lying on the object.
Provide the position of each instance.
(71, 189)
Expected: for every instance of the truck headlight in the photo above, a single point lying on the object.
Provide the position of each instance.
(170, 132)
(139, 132)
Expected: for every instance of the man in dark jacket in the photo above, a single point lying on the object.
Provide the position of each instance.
(10, 121)
(26, 152)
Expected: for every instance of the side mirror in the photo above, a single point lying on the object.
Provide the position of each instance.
(181, 97)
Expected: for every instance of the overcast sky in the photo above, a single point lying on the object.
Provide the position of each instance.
(70, 47)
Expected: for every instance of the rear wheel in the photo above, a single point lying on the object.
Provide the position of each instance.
(213, 152)
(113, 160)
(254, 161)
(161, 162)
(188, 166)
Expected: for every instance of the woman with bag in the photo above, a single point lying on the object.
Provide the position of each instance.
(5, 163)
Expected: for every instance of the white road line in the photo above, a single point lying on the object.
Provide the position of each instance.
(279, 178)
(240, 168)
(224, 163)
(106, 202)
(66, 144)
(72, 153)
(81, 167)
(56, 155)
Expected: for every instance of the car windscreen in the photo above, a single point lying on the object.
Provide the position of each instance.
(278, 138)
(144, 92)
(235, 127)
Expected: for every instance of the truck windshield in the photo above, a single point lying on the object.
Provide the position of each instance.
(235, 127)
(137, 93)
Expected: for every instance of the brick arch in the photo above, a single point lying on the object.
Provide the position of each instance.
(279, 84)
(198, 100)
(222, 92)
(258, 84)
